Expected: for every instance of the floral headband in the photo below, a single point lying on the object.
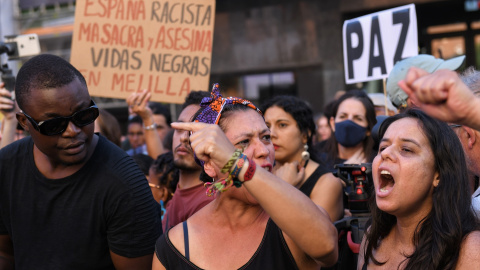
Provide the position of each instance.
(213, 106)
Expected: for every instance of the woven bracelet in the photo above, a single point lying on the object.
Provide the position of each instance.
(231, 161)
(252, 167)
(236, 171)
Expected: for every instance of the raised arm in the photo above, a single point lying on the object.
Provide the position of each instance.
(138, 103)
(291, 210)
(8, 108)
(443, 95)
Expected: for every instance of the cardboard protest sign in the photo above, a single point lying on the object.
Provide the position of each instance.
(125, 46)
(372, 44)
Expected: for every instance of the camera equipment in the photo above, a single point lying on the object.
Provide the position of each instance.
(16, 47)
(358, 178)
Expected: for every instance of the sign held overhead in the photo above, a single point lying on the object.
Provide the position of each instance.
(124, 46)
(372, 44)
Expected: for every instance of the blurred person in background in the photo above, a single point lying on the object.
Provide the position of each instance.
(156, 120)
(163, 179)
(161, 117)
(144, 162)
(136, 137)
(379, 100)
(167, 141)
(189, 196)
(352, 122)
(323, 131)
(291, 125)
(108, 126)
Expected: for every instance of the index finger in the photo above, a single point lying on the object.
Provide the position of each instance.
(189, 126)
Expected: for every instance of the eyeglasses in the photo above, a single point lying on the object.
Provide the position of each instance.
(59, 124)
(154, 186)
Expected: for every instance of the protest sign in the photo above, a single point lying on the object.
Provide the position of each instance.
(372, 44)
(125, 46)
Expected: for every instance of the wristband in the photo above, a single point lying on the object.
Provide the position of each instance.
(231, 161)
(236, 171)
(151, 127)
(252, 167)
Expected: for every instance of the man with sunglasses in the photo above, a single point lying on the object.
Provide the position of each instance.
(70, 199)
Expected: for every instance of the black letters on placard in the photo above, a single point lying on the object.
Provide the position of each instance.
(376, 61)
(402, 17)
(353, 53)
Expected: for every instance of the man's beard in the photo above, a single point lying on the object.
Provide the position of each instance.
(186, 166)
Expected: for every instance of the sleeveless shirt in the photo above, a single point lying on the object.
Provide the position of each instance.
(272, 253)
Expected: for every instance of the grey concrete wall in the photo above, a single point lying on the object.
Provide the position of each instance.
(301, 36)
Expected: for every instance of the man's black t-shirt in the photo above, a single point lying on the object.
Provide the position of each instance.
(74, 222)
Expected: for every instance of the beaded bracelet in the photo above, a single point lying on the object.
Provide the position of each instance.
(231, 161)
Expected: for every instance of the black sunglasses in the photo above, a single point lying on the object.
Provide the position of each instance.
(59, 124)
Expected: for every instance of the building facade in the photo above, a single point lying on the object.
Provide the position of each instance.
(263, 48)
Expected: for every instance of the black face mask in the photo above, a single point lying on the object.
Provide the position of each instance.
(349, 133)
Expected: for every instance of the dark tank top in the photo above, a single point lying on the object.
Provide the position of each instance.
(309, 184)
(273, 252)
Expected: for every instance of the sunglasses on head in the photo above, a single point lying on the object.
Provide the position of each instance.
(59, 124)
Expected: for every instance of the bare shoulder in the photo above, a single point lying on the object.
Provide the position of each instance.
(175, 235)
(469, 256)
(331, 180)
(329, 185)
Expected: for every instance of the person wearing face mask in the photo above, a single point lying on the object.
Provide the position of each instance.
(352, 122)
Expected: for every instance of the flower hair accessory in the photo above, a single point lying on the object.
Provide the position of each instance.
(213, 106)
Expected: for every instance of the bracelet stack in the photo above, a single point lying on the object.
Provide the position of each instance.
(238, 159)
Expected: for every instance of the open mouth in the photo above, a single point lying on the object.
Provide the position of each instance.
(386, 181)
(268, 167)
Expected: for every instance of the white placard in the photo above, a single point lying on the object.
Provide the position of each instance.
(373, 43)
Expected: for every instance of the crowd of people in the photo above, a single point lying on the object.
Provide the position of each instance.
(229, 185)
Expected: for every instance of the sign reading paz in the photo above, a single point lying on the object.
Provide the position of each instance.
(372, 44)
(125, 46)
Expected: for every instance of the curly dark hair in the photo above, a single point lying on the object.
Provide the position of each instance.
(302, 113)
(45, 71)
(169, 173)
(439, 235)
